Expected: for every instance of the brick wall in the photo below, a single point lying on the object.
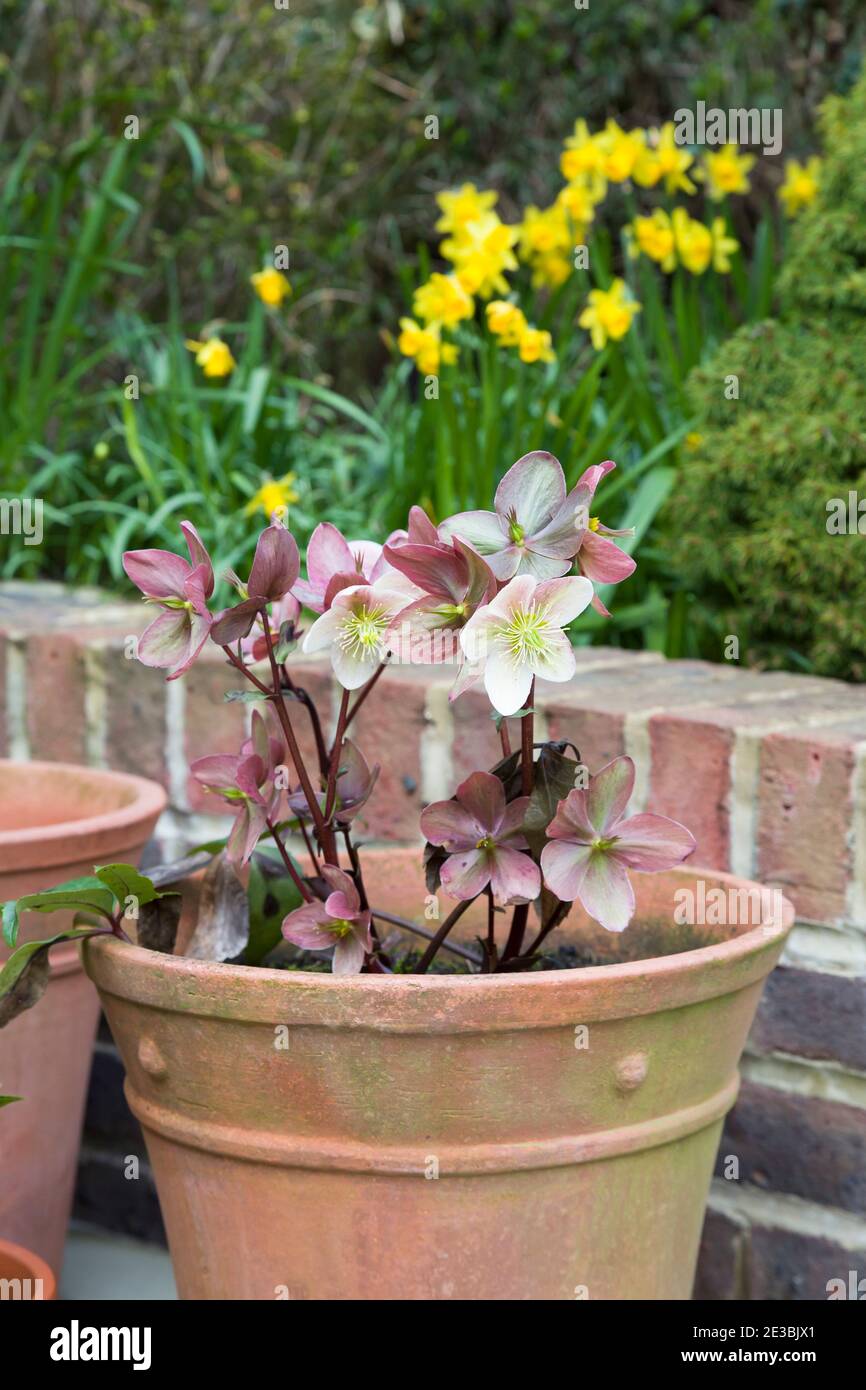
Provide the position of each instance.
(767, 769)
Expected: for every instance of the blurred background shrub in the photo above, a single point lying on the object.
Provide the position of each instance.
(752, 537)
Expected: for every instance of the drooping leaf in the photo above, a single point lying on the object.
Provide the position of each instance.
(247, 697)
(508, 772)
(24, 977)
(223, 925)
(554, 778)
(165, 875)
(434, 858)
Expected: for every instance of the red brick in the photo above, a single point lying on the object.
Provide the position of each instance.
(809, 1013)
(690, 781)
(802, 1145)
(389, 729)
(787, 1266)
(55, 685)
(476, 742)
(4, 730)
(212, 724)
(804, 815)
(719, 1259)
(135, 697)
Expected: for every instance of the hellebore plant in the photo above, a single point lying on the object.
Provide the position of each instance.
(536, 832)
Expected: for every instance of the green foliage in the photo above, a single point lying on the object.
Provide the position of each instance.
(749, 519)
(306, 125)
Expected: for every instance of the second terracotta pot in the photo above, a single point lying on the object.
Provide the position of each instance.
(548, 1136)
(56, 822)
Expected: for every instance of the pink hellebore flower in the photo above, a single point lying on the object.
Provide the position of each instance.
(355, 783)
(483, 838)
(597, 558)
(182, 589)
(591, 847)
(247, 782)
(534, 529)
(519, 636)
(453, 580)
(354, 630)
(338, 921)
(333, 563)
(276, 566)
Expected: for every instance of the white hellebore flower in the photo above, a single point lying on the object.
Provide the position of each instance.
(519, 635)
(354, 629)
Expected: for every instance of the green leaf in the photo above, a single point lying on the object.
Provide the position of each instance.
(126, 882)
(87, 894)
(272, 895)
(248, 697)
(24, 977)
(10, 923)
(8, 1100)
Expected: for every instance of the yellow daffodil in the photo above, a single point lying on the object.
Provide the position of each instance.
(213, 356)
(550, 271)
(442, 300)
(536, 345)
(578, 204)
(726, 171)
(724, 246)
(425, 346)
(800, 188)
(694, 242)
(664, 159)
(546, 243)
(609, 314)
(582, 161)
(275, 494)
(463, 205)
(654, 236)
(482, 254)
(271, 286)
(621, 150)
(543, 231)
(505, 321)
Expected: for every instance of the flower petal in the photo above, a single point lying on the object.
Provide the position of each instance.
(531, 492)
(234, 623)
(157, 573)
(349, 955)
(327, 553)
(450, 824)
(506, 681)
(606, 892)
(571, 821)
(340, 883)
(276, 564)
(602, 561)
(483, 530)
(483, 796)
(563, 864)
(198, 554)
(557, 661)
(648, 842)
(514, 877)
(464, 875)
(564, 599)
(608, 794)
(308, 927)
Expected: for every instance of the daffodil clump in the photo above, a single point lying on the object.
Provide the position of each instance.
(485, 254)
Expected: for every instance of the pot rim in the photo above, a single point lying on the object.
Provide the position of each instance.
(32, 1266)
(444, 1003)
(58, 841)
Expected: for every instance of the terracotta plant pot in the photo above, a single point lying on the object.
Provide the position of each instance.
(23, 1276)
(541, 1136)
(56, 822)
